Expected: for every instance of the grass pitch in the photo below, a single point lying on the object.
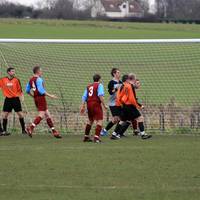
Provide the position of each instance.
(73, 29)
(165, 167)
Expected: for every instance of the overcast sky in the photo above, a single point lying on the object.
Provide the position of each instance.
(33, 2)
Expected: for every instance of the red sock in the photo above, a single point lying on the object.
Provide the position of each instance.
(36, 122)
(87, 129)
(50, 123)
(134, 124)
(98, 130)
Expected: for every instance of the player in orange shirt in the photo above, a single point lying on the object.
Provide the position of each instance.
(118, 131)
(130, 109)
(12, 91)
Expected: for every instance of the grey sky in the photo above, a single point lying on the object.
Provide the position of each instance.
(33, 2)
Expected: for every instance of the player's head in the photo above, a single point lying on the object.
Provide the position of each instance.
(37, 70)
(96, 78)
(132, 78)
(125, 78)
(137, 84)
(11, 71)
(115, 73)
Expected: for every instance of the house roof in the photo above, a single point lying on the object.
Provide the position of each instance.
(114, 6)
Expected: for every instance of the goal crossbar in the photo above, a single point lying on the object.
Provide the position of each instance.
(100, 41)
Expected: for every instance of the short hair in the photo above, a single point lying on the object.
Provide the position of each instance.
(132, 76)
(10, 68)
(125, 77)
(36, 69)
(96, 78)
(113, 71)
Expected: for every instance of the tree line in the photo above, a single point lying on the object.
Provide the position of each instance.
(63, 9)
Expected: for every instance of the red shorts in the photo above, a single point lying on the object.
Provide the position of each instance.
(95, 111)
(40, 102)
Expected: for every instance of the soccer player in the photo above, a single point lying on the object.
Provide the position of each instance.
(94, 98)
(12, 91)
(130, 110)
(113, 86)
(119, 131)
(35, 88)
(134, 122)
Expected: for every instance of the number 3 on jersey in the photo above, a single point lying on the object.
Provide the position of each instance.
(91, 89)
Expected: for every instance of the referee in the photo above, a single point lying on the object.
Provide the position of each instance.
(12, 91)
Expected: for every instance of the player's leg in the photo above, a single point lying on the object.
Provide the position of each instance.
(98, 129)
(87, 130)
(36, 121)
(115, 120)
(119, 130)
(1, 129)
(90, 121)
(121, 126)
(98, 117)
(22, 122)
(7, 108)
(18, 109)
(144, 135)
(135, 127)
(51, 124)
(5, 122)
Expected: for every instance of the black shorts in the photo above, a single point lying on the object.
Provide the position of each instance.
(129, 113)
(12, 103)
(115, 111)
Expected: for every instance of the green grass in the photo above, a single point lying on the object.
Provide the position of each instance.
(42, 168)
(12, 28)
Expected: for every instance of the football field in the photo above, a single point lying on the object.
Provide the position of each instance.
(43, 168)
(166, 167)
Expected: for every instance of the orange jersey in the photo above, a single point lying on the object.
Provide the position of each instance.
(119, 95)
(11, 87)
(128, 95)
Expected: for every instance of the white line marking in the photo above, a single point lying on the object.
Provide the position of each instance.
(179, 188)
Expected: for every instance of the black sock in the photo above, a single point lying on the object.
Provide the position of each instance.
(109, 125)
(124, 128)
(1, 130)
(118, 129)
(5, 124)
(22, 123)
(141, 126)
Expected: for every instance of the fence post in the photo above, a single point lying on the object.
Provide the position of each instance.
(192, 120)
(198, 120)
(162, 119)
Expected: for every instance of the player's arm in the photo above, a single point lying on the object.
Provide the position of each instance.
(28, 89)
(111, 89)
(1, 83)
(84, 100)
(19, 90)
(42, 90)
(101, 95)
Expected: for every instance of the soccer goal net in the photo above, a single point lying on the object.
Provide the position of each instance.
(169, 71)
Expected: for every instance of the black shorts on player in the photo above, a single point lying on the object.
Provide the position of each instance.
(12, 103)
(129, 113)
(115, 110)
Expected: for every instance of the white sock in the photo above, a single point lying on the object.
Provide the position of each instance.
(142, 133)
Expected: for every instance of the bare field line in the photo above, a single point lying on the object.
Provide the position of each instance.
(108, 187)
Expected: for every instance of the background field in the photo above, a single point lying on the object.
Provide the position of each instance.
(166, 167)
(12, 28)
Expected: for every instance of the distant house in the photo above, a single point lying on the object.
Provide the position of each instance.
(117, 9)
